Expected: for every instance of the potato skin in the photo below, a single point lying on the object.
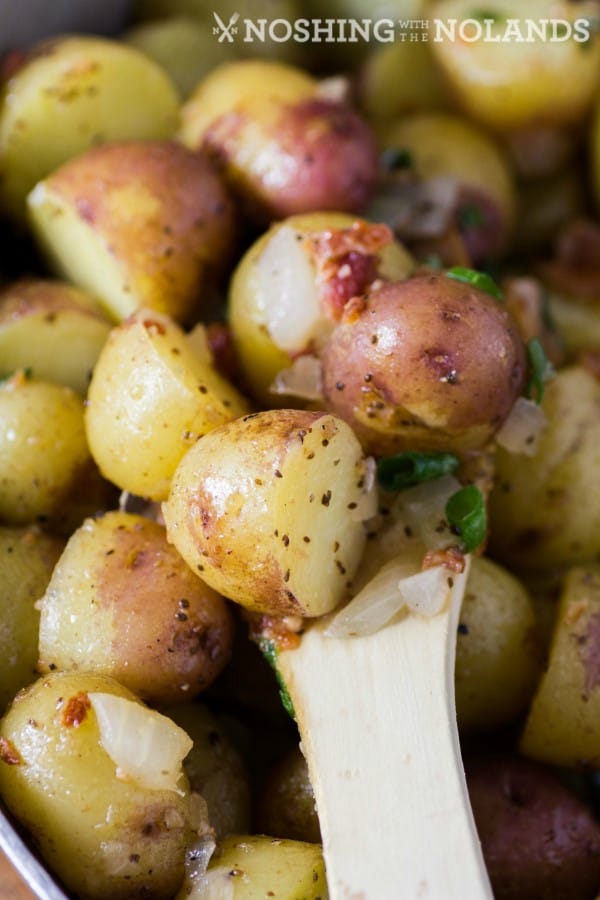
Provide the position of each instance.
(430, 363)
(160, 210)
(284, 149)
(122, 602)
(538, 839)
(105, 837)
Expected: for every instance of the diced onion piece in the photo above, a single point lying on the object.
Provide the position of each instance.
(427, 593)
(304, 379)
(424, 507)
(287, 291)
(145, 746)
(197, 858)
(375, 605)
(216, 884)
(336, 89)
(521, 431)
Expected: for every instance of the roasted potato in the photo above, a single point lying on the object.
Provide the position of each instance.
(292, 284)
(53, 330)
(237, 516)
(70, 94)
(141, 223)
(151, 397)
(44, 455)
(399, 78)
(538, 839)
(498, 649)
(543, 508)
(287, 803)
(215, 769)
(122, 602)
(563, 726)
(27, 557)
(429, 363)
(95, 778)
(284, 148)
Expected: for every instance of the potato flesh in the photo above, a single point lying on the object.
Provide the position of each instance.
(103, 836)
(77, 91)
(151, 397)
(262, 510)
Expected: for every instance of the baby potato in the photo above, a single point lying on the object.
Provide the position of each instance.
(544, 510)
(52, 329)
(430, 363)
(151, 397)
(27, 558)
(399, 78)
(511, 84)
(266, 510)
(122, 602)
(287, 803)
(135, 224)
(88, 791)
(44, 454)
(443, 146)
(283, 147)
(538, 838)
(70, 94)
(215, 769)
(563, 726)
(498, 651)
(183, 46)
(292, 285)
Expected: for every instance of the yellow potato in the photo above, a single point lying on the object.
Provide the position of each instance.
(44, 455)
(27, 558)
(52, 329)
(399, 78)
(73, 93)
(141, 223)
(122, 602)
(287, 290)
(66, 776)
(544, 509)
(511, 84)
(151, 397)
(563, 726)
(266, 510)
(498, 651)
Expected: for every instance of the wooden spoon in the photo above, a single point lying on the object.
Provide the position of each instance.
(377, 721)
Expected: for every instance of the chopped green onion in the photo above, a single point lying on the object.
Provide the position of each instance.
(466, 515)
(541, 370)
(397, 158)
(269, 651)
(478, 279)
(395, 473)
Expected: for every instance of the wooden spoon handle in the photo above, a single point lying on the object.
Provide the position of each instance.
(378, 726)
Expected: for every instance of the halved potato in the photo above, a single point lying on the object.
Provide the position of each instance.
(267, 510)
(73, 93)
(52, 329)
(136, 224)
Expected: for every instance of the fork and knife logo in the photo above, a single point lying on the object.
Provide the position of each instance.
(226, 32)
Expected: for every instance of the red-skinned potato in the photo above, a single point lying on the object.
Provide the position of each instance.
(284, 148)
(268, 510)
(538, 839)
(122, 602)
(138, 223)
(430, 363)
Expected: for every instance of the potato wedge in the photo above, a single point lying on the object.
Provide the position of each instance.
(267, 509)
(151, 397)
(53, 330)
(73, 93)
(135, 224)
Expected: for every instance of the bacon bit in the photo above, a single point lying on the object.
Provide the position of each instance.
(76, 709)
(354, 309)
(575, 269)
(154, 327)
(451, 558)
(576, 610)
(9, 753)
(450, 247)
(524, 299)
(283, 631)
(347, 262)
(590, 360)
